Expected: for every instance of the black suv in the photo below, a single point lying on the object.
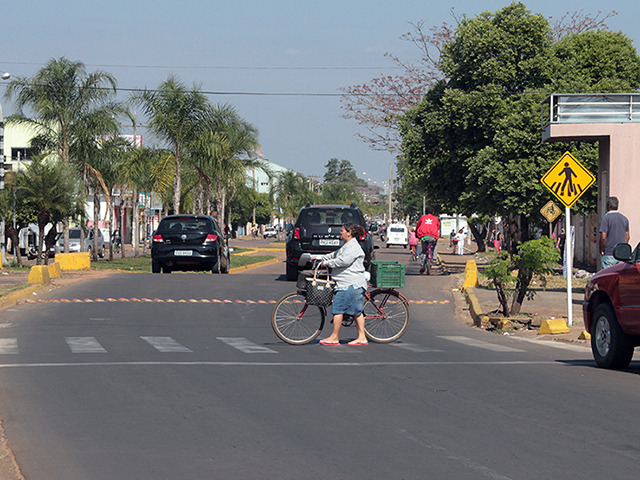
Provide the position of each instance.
(317, 231)
(189, 242)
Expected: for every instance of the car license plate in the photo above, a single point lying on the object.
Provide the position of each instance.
(183, 253)
(329, 242)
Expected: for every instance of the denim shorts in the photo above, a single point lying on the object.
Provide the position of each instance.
(349, 301)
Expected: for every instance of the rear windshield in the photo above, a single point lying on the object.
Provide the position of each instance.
(397, 229)
(185, 223)
(74, 233)
(314, 216)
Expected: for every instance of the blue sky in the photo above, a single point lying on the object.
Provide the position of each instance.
(251, 46)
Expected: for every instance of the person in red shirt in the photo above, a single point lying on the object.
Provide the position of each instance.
(428, 232)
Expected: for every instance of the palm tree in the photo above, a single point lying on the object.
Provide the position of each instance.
(68, 105)
(52, 187)
(147, 170)
(291, 192)
(176, 115)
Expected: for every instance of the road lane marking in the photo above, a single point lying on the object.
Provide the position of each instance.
(476, 467)
(9, 346)
(84, 345)
(472, 342)
(166, 345)
(283, 364)
(413, 347)
(245, 345)
(225, 301)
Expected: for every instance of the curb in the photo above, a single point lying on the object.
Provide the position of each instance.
(13, 298)
(253, 265)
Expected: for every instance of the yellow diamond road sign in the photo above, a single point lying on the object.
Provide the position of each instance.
(568, 179)
(550, 211)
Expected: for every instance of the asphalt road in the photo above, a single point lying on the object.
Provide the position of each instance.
(156, 389)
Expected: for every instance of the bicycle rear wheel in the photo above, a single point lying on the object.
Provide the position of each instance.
(429, 259)
(386, 316)
(295, 321)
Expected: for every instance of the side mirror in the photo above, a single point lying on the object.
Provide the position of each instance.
(305, 258)
(622, 252)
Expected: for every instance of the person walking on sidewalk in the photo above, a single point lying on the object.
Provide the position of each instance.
(351, 282)
(413, 243)
(461, 237)
(614, 229)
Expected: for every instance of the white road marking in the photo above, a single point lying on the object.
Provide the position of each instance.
(472, 342)
(413, 347)
(244, 345)
(166, 345)
(476, 467)
(276, 364)
(9, 346)
(84, 345)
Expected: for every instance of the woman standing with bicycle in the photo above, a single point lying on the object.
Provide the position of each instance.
(347, 264)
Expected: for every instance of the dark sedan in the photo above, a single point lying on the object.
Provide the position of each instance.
(189, 242)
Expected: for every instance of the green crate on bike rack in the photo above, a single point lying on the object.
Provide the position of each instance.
(385, 274)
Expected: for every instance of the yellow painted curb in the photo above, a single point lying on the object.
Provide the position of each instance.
(479, 318)
(54, 270)
(74, 261)
(39, 274)
(471, 274)
(12, 299)
(253, 265)
(555, 325)
(584, 335)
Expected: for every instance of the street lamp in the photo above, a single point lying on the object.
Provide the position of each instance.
(5, 76)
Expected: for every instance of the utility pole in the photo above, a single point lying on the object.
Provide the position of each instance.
(390, 189)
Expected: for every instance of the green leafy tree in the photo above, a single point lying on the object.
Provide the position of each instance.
(291, 193)
(472, 145)
(534, 259)
(342, 171)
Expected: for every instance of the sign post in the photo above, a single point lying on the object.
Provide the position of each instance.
(567, 179)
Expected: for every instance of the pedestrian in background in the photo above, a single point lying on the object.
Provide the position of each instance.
(461, 237)
(413, 243)
(560, 244)
(614, 229)
(497, 241)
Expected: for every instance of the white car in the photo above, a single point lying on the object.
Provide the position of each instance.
(397, 234)
(269, 232)
(74, 242)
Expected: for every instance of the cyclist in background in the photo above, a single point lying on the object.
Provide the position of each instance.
(428, 231)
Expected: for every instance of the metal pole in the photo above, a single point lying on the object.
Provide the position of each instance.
(569, 264)
(389, 197)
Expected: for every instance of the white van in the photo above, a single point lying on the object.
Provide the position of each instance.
(397, 234)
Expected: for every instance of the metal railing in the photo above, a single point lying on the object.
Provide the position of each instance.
(591, 108)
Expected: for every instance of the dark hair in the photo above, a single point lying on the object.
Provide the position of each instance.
(354, 229)
(612, 203)
(429, 211)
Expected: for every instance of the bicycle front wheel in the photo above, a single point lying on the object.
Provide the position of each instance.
(386, 316)
(295, 321)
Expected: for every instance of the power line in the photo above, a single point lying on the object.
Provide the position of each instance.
(221, 67)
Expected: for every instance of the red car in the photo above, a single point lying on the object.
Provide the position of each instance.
(611, 309)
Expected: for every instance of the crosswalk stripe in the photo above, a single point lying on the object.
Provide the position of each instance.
(244, 345)
(166, 345)
(9, 346)
(412, 347)
(472, 342)
(84, 345)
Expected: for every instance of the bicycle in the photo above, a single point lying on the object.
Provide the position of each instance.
(386, 317)
(427, 257)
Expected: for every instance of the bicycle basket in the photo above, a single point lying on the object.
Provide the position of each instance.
(386, 274)
(319, 291)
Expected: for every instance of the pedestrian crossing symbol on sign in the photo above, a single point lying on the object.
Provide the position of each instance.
(568, 179)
